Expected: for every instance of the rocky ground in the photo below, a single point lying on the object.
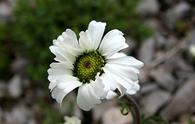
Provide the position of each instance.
(167, 80)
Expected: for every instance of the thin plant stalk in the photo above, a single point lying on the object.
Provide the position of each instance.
(133, 107)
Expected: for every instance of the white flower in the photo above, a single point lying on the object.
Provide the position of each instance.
(72, 120)
(94, 64)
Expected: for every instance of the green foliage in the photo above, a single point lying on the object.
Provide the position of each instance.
(5, 56)
(50, 116)
(191, 121)
(37, 22)
(153, 120)
(139, 30)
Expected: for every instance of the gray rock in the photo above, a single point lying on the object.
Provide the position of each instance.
(171, 41)
(160, 40)
(181, 9)
(102, 108)
(165, 42)
(144, 76)
(193, 108)
(18, 65)
(114, 116)
(18, 115)
(175, 13)
(153, 101)
(183, 65)
(149, 88)
(26, 82)
(1, 116)
(12, 2)
(5, 11)
(15, 86)
(182, 68)
(191, 36)
(31, 121)
(148, 7)
(154, 24)
(146, 52)
(164, 78)
(182, 101)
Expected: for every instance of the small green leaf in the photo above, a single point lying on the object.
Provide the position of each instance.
(124, 108)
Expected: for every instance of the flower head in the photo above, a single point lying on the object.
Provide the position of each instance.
(94, 64)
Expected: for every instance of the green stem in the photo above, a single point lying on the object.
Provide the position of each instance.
(133, 108)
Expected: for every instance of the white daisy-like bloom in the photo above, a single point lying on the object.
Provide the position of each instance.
(93, 64)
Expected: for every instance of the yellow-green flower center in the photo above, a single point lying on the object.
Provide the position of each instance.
(87, 65)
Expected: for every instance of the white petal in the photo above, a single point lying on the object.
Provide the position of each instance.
(112, 42)
(111, 95)
(58, 71)
(126, 65)
(133, 91)
(96, 31)
(98, 87)
(54, 81)
(126, 68)
(117, 55)
(59, 93)
(85, 41)
(90, 94)
(111, 84)
(121, 70)
(64, 65)
(52, 85)
(67, 39)
(90, 39)
(125, 61)
(66, 47)
(70, 34)
(62, 55)
(125, 83)
(108, 81)
(66, 83)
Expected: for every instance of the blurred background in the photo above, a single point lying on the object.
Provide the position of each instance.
(161, 33)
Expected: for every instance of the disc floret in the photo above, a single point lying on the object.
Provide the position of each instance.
(87, 65)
